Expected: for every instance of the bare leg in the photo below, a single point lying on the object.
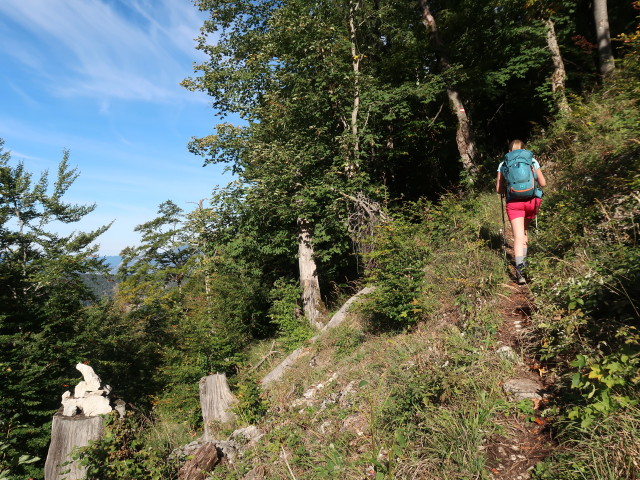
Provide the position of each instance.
(518, 227)
(525, 245)
(519, 236)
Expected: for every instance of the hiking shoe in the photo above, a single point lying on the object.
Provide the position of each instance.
(519, 276)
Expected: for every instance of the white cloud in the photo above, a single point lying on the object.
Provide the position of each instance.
(26, 98)
(100, 77)
(103, 52)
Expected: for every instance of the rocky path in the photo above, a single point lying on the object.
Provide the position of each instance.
(526, 439)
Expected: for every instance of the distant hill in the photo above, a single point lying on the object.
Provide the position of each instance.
(104, 285)
(100, 285)
(113, 261)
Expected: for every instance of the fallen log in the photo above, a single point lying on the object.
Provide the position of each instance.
(202, 462)
(339, 317)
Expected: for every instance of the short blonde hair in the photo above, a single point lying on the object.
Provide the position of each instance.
(516, 145)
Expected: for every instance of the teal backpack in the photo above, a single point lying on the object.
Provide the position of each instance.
(519, 175)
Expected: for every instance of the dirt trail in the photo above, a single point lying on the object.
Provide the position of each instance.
(527, 438)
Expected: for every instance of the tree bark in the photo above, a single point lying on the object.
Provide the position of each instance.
(201, 463)
(312, 303)
(216, 401)
(355, 63)
(559, 74)
(605, 51)
(67, 434)
(464, 134)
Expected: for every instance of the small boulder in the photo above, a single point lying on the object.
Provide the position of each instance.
(521, 388)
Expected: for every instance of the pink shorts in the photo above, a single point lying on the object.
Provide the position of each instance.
(523, 208)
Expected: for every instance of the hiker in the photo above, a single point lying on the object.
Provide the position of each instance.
(523, 199)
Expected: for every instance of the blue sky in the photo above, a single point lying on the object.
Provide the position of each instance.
(101, 79)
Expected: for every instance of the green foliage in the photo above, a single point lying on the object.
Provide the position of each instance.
(182, 313)
(455, 437)
(436, 254)
(125, 348)
(605, 450)
(42, 295)
(587, 263)
(10, 455)
(285, 312)
(122, 455)
(160, 260)
(399, 275)
(252, 405)
(606, 383)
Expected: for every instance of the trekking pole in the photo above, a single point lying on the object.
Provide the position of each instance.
(504, 230)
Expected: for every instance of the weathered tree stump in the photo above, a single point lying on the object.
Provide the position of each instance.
(216, 401)
(67, 434)
(203, 461)
(78, 422)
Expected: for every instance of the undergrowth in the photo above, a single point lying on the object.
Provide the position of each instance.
(589, 283)
(410, 389)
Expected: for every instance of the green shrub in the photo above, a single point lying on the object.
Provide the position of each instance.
(251, 406)
(121, 453)
(285, 313)
(587, 279)
(10, 458)
(433, 253)
(399, 258)
(606, 450)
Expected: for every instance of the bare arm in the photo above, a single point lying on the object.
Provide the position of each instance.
(499, 184)
(541, 180)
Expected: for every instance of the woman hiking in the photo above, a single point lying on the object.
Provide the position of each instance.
(520, 179)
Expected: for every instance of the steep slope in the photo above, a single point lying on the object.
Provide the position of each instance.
(426, 401)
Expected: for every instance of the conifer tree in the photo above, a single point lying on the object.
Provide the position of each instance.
(42, 293)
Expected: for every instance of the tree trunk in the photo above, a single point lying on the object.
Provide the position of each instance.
(67, 434)
(559, 75)
(605, 51)
(216, 401)
(464, 134)
(355, 63)
(313, 306)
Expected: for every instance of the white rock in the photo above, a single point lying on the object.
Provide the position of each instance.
(507, 353)
(522, 388)
(250, 434)
(69, 405)
(120, 407)
(91, 381)
(94, 405)
(88, 398)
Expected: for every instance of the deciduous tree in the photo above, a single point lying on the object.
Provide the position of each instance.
(605, 51)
